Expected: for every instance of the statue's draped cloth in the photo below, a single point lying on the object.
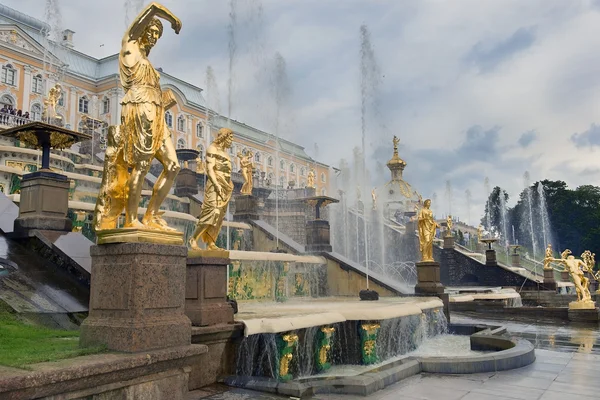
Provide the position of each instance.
(214, 206)
(142, 114)
(426, 233)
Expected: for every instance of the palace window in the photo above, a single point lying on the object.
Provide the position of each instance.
(270, 161)
(257, 157)
(36, 112)
(282, 164)
(9, 74)
(181, 123)
(6, 100)
(181, 143)
(292, 168)
(83, 104)
(200, 149)
(169, 119)
(281, 181)
(106, 105)
(199, 130)
(36, 86)
(322, 177)
(302, 171)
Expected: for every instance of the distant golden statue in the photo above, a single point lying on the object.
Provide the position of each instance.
(427, 226)
(142, 135)
(479, 233)
(217, 192)
(49, 111)
(449, 226)
(374, 198)
(200, 167)
(548, 257)
(311, 179)
(396, 141)
(246, 166)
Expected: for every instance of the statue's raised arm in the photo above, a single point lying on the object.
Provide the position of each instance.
(139, 24)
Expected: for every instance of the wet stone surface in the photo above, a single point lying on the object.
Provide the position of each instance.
(567, 361)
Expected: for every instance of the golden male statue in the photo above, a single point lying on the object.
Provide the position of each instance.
(427, 226)
(143, 134)
(217, 192)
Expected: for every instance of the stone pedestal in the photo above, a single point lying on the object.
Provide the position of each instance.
(428, 278)
(515, 259)
(448, 242)
(490, 258)
(246, 208)
(44, 203)
(549, 281)
(480, 247)
(583, 314)
(318, 236)
(185, 183)
(206, 290)
(137, 297)
(564, 276)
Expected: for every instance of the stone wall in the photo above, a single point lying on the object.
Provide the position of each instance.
(458, 269)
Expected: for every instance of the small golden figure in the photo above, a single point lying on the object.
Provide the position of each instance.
(449, 226)
(50, 103)
(200, 168)
(247, 166)
(479, 233)
(548, 257)
(142, 135)
(311, 179)
(427, 226)
(374, 197)
(217, 192)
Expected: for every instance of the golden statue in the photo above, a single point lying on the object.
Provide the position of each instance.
(576, 270)
(142, 135)
(311, 179)
(49, 111)
(374, 197)
(200, 167)
(449, 226)
(479, 233)
(246, 165)
(427, 226)
(396, 141)
(217, 192)
(548, 257)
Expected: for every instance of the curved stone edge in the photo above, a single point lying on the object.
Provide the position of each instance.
(510, 353)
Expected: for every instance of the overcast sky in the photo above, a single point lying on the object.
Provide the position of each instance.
(473, 88)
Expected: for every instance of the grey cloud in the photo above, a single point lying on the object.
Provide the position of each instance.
(590, 138)
(527, 138)
(488, 57)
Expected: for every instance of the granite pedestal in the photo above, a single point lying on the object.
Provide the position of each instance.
(564, 276)
(428, 278)
(448, 242)
(137, 297)
(185, 183)
(44, 203)
(206, 290)
(490, 258)
(549, 281)
(515, 259)
(246, 208)
(318, 236)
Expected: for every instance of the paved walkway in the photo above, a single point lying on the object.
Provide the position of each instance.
(566, 368)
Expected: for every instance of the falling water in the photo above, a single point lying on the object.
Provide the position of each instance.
(526, 180)
(504, 221)
(449, 196)
(369, 83)
(545, 218)
(231, 35)
(488, 216)
(132, 8)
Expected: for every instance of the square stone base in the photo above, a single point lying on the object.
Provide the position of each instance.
(206, 291)
(246, 208)
(583, 315)
(448, 242)
(137, 297)
(428, 278)
(549, 281)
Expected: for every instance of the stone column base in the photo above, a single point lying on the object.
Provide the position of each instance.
(490, 258)
(318, 236)
(246, 208)
(44, 203)
(206, 291)
(564, 276)
(549, 281)
(515, 260)
(583, 314)
(428, 278)
(137, 297)
(448, 242)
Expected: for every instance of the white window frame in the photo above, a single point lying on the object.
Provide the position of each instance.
(169, 119)
(5, 75)
(181, 123)
(84, 104)
(105, 105)
(36, 84)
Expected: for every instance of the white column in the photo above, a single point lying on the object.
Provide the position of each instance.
(113, 95)
(26, 87)
(73, 107)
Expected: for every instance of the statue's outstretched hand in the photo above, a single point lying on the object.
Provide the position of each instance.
(176, 25)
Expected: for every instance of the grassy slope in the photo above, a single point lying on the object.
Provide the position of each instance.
(22, 344)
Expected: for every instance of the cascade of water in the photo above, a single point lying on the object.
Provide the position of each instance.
(545, 218)
(132, 8)
(488, 216)
(232, 45)
(504, 222)
(529, 211)
(305, 351)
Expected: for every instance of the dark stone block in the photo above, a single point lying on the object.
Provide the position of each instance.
(369, 295)
(318, 236)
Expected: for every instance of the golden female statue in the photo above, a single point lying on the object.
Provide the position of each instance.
(246, 165)
(217, 192)
(427, 226)
(143, 134)
(311, 179)
(449, 224)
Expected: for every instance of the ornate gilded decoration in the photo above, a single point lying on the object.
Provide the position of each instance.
(548, 257)
(141, 137)
(61, 141)
(322, 356)
(368, 335)
(427, 226)
(286, 345)
(246, 166)
(217, 192)
(310, 183)
(29, 138)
